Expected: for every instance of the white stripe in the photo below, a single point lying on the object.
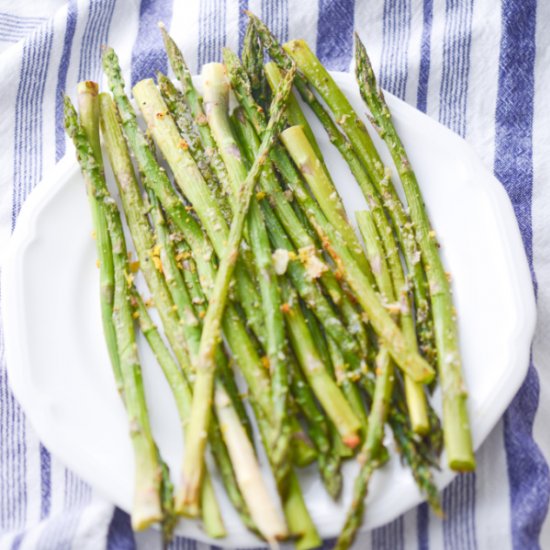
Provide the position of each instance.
(369, 18)
(232, 25)
(122, 35)
(541, 237)
(302, 21)
(185, 31)
(94, 524)
(410, 534)
(484, 60)
(492, 493)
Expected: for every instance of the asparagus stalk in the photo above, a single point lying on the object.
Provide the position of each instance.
(181, 391)
(194, 101)
(216, 101)
(266, 516)
(323, 189)
(374, 184)
(146, 508)
(193, 186)
(139, 228)
(88, 107)
(322, 384)
(383, 390)
(186, 126)
(416, 398)
(270, 186)
(295, 114)
(200, 416)
(253, 61)
(406, 358)
(458, 440)
(329, 462)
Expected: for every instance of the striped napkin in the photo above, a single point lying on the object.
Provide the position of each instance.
(479, 67)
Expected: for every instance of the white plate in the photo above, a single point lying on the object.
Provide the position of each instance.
(59, 368)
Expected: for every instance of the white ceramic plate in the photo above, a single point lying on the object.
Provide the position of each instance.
(59, 368)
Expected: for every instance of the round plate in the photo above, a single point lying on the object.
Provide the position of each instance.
(60, 372)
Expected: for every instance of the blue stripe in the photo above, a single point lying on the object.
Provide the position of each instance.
(335, 33)
(212, 16)
(425, 52)
(422, 526)
(27, 169)
(120, 535)
(21, 29)
(70, 27)
(18, 540)
(275, 15)
(180, 543)
(148, 55)
(456, 64)
(528, 471)
(21, 19)
(96, 34)
(45, 482)
(16, 29)
(395, 43)
(9, 38)
(389, 537)
(458, 500)
(243, 22)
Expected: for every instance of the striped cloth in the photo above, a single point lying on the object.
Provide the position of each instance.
(479, 67)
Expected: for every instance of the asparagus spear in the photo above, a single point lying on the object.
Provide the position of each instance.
(200, 416)
(253, 61)
(295, 114)
(270, 186)
(383, 390)
(374, 184)
(134, 208)
(458, 440)
(146, 508)
(249, 476)
(191, 183)
(216, 102)
(194, 101)
(186, 126)
(416, 398)
(181, 391)
(329, 461)
(405, 357)
(324, 387)
(87, 105)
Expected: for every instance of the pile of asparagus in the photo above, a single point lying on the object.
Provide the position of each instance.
(252, 265)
